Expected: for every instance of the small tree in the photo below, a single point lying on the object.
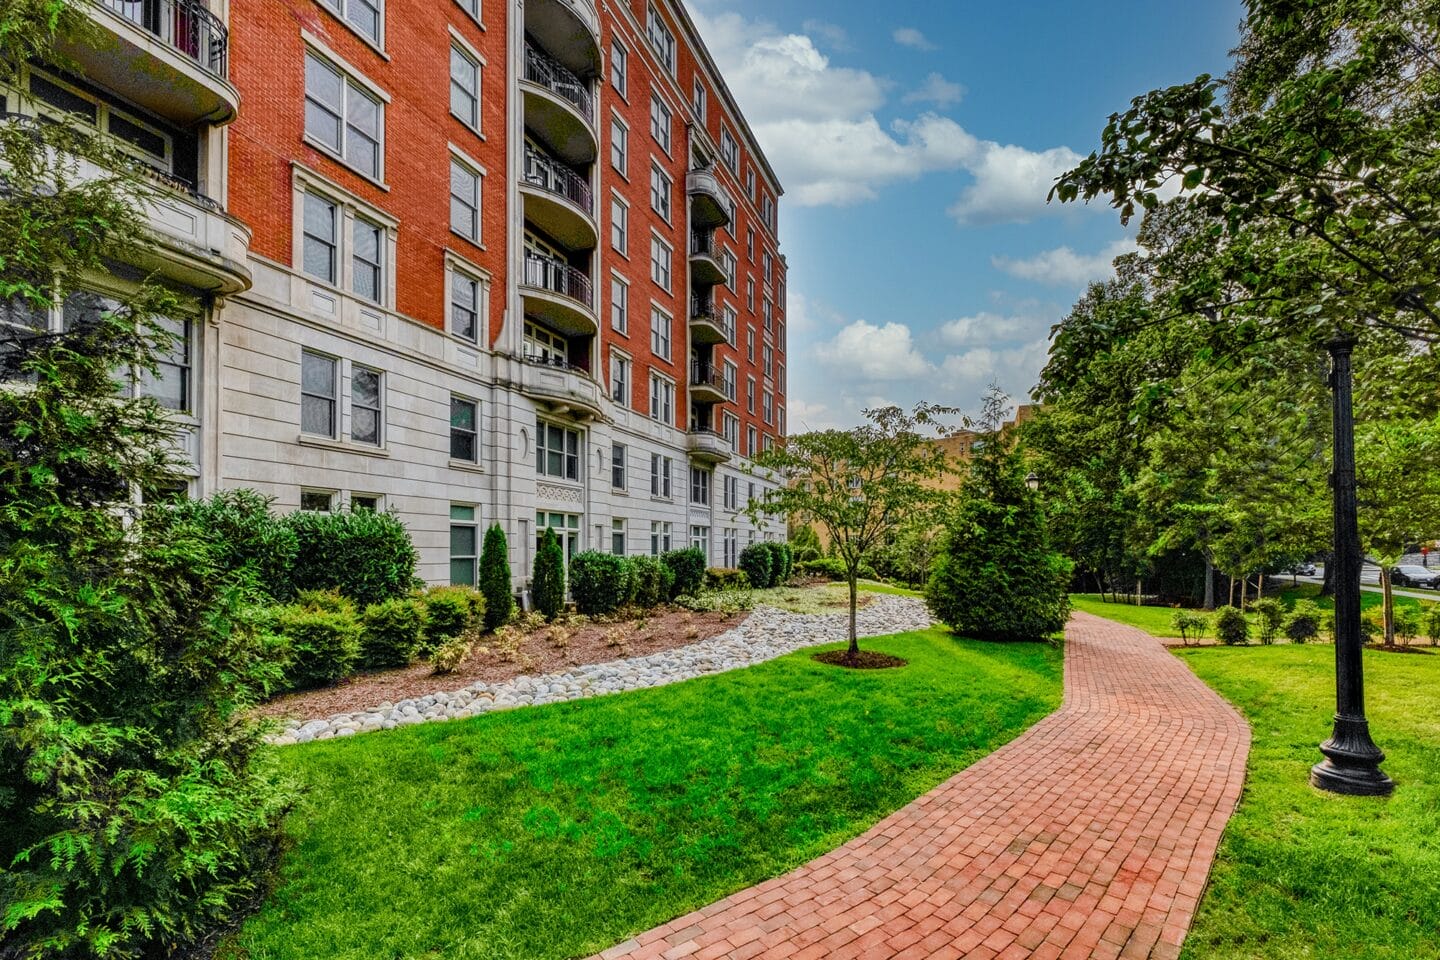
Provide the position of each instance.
(1304, 622)
(805, 543)
(755, 562)
(495, 578)
(548, 583)
(1231, 626)
(1271, 615)
(858, 484)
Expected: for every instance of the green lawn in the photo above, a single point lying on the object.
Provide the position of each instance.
(1301, 874)
(557, 831)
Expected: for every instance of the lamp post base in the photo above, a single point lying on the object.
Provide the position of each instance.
(1352, 762)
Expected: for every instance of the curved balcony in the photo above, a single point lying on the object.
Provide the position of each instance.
(559, 108)
(709, 203)
(708, 446)
(559, 294)
(561, 389)
(706, 323)
(569, 30)
(707, 383)
(705, 266)
(169, 56)
(558, 201)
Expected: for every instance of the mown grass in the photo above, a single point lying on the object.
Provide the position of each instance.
(822, 597)
(1304, 874)
(557, 831)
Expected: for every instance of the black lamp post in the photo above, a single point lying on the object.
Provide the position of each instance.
(1032, 481)
(1352, 761)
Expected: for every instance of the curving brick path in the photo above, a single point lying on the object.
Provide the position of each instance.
(1089, 836)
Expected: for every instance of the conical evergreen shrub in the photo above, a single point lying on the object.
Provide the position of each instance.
(548, 583)
(495, 578)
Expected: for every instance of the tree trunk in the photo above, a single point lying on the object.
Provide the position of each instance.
(1209, 582)
(1244, 584)
(1260, 587)
(1327, 582)
(1230, 598)
(1389, 606)
(854, 650)
(1139, 587)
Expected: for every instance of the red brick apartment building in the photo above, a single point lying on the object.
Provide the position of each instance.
(469, 261)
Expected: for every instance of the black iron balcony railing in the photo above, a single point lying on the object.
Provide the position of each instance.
(557, 277)
(553, 76)
(703, 308)
(702, 243)
(707, 375)
(186, 25)
(552, 360)
(552, 176)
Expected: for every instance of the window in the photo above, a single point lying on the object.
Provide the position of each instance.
(317, 394)
(699, 101)
(659, 537)
(557, 451)
(660, 469)
(320, 240)
(660, 262)
(464, 201)
(471, 7)
(567, 531)
(464, 306)
(343, 117)
(619, 305)
(732, 548)
(769, 354)
(619, 225)
(750, 294)
(729, 151)
(617, 467)
(700, 486)
(730, 429)
(464, 430)
(317, 501)
(750, 450)
(728, 319)
(365, 501)
(767, 404)
(55, 99)
(661, 189)
(463, 543)
(700, 540)
(660, 334)
(730, 375)
(750, 495)
(750, 343)
(620, 378)
(619, 66)
(619, 147)
(662, 40)
(366, 414)
(545, 345)
(662, 399)
(727, 260)
(750, 183)
(617, 537)
(766, 265)
(767, 212)
(363, 15)
(660, 124)
(464, 87)
(749, 394)
(780, 419)
(366, 256)
(171, 387)
(768, 312)
(732, 492)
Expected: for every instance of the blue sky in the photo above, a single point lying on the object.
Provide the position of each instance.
(916, 142)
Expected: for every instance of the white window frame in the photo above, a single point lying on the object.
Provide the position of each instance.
(378, 409)
(662, 398)
(341, 10)
(569, 460)
(621, 368)
(333, 399)
(620, 68)
(474, 434)
(460, 162)
(662, 123)
(464, 516)
(700, 100)
(619, 225)
(661, 470)
(662, 192)
(347, 208)
(619, 467)
(729, 150)
(472, 57)
(661, 38)
(619, 146)
(662, 262)
(619, 304)
(458, 271)
(352, 83)
(662, 326)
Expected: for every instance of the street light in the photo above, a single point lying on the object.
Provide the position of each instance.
(1032, 481)
(1352, 761)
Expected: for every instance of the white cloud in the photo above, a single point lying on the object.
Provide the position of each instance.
(833, 35)
(936, 90)
(1064, 267)
(989, 328)
(874, 354)
(910, 37)
(1011, 184)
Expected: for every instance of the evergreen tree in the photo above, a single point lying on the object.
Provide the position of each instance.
(495, 578)
(548, 584)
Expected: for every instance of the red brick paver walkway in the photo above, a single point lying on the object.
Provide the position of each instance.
(1089, 836)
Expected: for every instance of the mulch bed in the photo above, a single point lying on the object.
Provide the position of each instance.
(662, 630)
(864, 660)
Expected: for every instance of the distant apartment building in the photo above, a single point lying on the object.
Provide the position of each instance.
(467, 261)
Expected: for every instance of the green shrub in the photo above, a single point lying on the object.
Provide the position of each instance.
(1304, 622)
(652, 581)
(495, 579)
(547, 586)
(688, 571)
(1190, 625)
(1407, 623)
(449, 612)
(777, 564)
(1231, 626)
(729, 601)
(1372, 625)
(365, 554)
(787, 563)
(599, 582)
(1271, 615)
(323, 640)
(1432, 623)
(828, 568)
(392, 633)
(449, 656)
(755, 561)
(805, 544)
(329, 601)
(726, 578)
(246, 541)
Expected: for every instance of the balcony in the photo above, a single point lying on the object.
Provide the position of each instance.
(569, 30)
(709, 203)
(706, 324)
(705, 266)
(559, 294)
(559, 108)
(168, 56)
(562, 389)
(707, 383)
(558, 201)
(706, 445)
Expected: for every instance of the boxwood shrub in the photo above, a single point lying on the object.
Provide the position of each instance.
(364, 554)
(599, 582)
(726, 578)
(651, 580)
(755, 560)
(1231, 626)
(449, 612)
(323, 641)
(688, 568)
(392, 632)
(246, 542)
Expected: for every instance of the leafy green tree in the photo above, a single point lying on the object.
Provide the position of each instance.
(547, 586)
(137, 815)
(805, 543)
(495, 578)
(859, 484)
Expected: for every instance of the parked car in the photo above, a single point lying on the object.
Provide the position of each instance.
(1303, 569)
(1413, 575)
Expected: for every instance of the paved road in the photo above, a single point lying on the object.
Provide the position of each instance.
(1371, 586)
(1089, 836)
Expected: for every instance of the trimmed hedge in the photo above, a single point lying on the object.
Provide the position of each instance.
(245, 540)
(323, 640)
(449, 612)
(1231, 626)
(755, 560)
(688, 569)
(547, 586)
(650, 580)
(392, 633)
(364, 554)
(726, 578)
(495, 579)
(599, 582)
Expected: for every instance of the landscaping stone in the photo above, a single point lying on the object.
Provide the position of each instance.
(766, 634)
